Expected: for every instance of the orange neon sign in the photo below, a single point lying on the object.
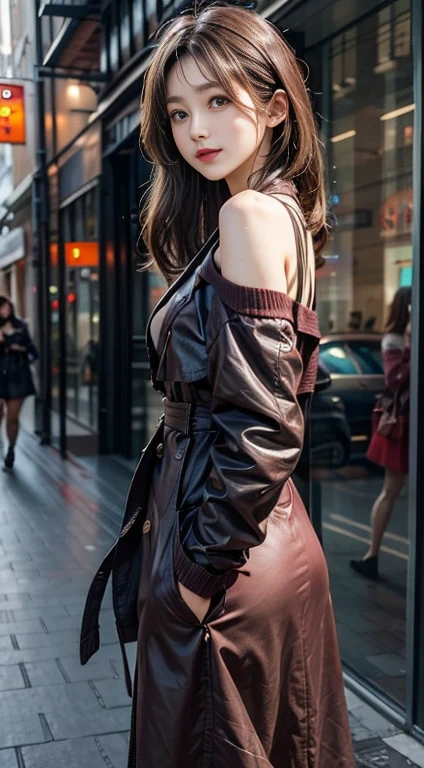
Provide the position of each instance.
(12, 114)
(82, 254)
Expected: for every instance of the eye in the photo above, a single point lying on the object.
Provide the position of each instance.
(219, 101)
(178, 115)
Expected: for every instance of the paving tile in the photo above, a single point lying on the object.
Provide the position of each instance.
(108, 633)
(8, 758)
(26, 729)
(113, 693)
(352, 699)
(407, 747)
(10, 656)
(63, 698)
(77, 608)
(5, 644)
(50, 600)
(44, 612)
(26, 569)
(74, 610)
(15, 560)
(76, 753)
(41, 640)
(56, 623)
(93, 670)
(115, 746)
(32, 626)
(12, 602)
(44, 673)
(6, 617)
(10, 677)
(74, 724)
(358, 730)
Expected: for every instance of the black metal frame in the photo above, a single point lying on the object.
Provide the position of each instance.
(415, 604)
(42, 239)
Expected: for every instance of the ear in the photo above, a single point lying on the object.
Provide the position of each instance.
(277, 109)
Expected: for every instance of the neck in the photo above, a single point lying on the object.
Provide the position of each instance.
(238, 180)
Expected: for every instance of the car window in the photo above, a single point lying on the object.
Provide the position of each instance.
(368, 356)
(334, 357)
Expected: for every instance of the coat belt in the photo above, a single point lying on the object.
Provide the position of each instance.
(187, 417)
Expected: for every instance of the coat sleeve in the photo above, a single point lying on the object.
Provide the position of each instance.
(32, 351)
(254, 373)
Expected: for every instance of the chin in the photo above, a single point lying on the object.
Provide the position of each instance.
(213, 174)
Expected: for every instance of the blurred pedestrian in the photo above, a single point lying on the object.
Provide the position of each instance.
(389, 442)
(17, 351)
(218, 571)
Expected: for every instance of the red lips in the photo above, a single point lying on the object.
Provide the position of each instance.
(206, 154)
(206, 151)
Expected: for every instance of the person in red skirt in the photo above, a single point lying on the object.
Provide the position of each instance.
(391, 452)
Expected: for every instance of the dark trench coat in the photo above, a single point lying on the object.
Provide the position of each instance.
(258, 683)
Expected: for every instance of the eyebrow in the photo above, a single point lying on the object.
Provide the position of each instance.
(206, 86)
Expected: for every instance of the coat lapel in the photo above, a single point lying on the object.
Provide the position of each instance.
(178, 285)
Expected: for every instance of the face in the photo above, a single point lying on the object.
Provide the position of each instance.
(212, 133)
(5, 310)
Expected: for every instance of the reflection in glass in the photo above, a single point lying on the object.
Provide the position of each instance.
(370, 124)
(82, 310)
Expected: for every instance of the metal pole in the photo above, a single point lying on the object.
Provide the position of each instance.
(41, 231)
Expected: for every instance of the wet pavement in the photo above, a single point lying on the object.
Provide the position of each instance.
(57, 520)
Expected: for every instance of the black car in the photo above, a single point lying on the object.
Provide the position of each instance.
(354, 363)
(330, 437)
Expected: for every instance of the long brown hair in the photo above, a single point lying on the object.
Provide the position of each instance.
(400, 311)
(237, 48)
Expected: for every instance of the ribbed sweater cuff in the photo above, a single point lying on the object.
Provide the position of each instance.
(259, 302)
(195, 577)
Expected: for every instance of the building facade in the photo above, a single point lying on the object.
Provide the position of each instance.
(364, 60)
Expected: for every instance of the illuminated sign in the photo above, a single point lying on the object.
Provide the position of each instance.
(12, 114)
(82, 254)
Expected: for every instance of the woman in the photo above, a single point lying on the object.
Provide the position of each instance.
(391, 451)
(17, 351)
(217, 572)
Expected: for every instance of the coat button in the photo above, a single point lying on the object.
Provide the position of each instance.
(146, 526)
(159, 451)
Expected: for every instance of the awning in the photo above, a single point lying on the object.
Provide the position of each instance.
(12, 247)
(19, 194)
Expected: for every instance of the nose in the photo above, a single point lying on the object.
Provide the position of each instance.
(198, 128)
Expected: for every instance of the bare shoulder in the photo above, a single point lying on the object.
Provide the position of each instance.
(256, 239)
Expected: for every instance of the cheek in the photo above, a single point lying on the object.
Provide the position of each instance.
(246, 133)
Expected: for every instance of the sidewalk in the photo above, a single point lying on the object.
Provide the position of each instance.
(57, 519)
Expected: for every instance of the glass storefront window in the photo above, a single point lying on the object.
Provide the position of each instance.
(368, 109)
(82, 308)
